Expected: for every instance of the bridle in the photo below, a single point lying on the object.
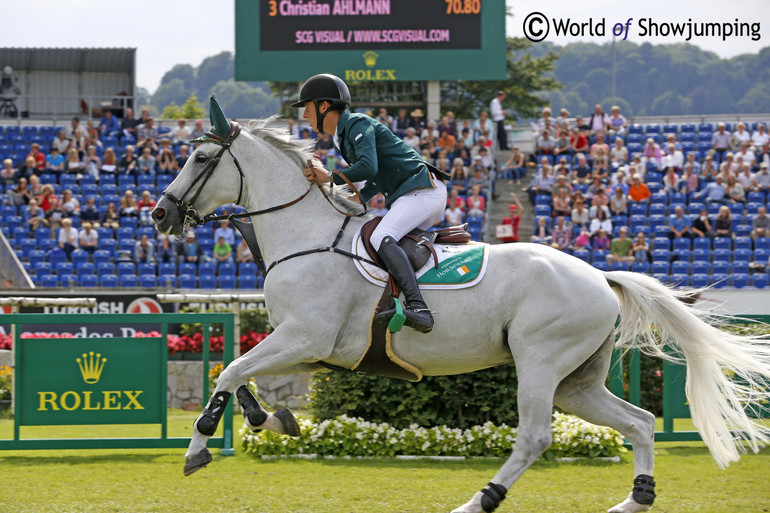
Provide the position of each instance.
(189, 215)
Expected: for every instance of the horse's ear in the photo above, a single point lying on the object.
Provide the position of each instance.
(219, 121)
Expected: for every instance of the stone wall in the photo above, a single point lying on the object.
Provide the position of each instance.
(5, 358)
(185, 383)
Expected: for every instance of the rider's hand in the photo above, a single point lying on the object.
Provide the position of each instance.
(315, 173)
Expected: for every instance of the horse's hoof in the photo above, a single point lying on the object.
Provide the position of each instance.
(290, 425)
(197, 462)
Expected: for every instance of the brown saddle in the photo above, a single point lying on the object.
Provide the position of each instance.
(417, 244)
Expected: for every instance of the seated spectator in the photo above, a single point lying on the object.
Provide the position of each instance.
(600, 203)
(21, 194)
(714, 192)
(34, 216)
(189, 250)
(723, 225)
(600, 241)
(618, 203)
(412, 139)
(377, 205)
(55, 214)
(578, 142)
(37, 156)
(46, 195)
(561, 235)
(70, 204)
(561, 146)
(545, 144)
(147, 135)
(128, 125)
(458, 175)
(701, 227)
(689, 181)
(29, 168)
(673, 158)
(199, 131)
(180, 133)
(88, 238)
(400, 124)
(562, 168)
(582, 173)
(599, 121)
(621, 249)
(92, 162)
(619, 153)
(746, 178)
(453, 215)
(73, 164)
(617, 123)
(165, 252)
(729, 166)
(679, 225)
(580, 215)
(111, 218)
(670, 181)
(745, 155)
(129, 205)
(486, 158)
(562, 204)
(69, 239)
(243, 252)
(144, 250)
(223, 252)
(735, 191)
(453, 198)
(762, 178)
(641, 248)
(561, 183)
(599, 148)
(128, 164)
(760, 225)
(145, 164)
(145, 206)
(653, 156)
(61, 142)
(323, 144)
(181, 159)
(446, 141)
(8, 174)
(54, 161)
(542, 183)
(110, 162)
(479, 178)
(740, 135)
(109, 126)
(583, 240)
(226, 231)
(601, 169)
(600, 222)
(475, 202)
(90, 213)
(542, 234)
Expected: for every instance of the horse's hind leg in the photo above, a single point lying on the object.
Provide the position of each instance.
(584, 394)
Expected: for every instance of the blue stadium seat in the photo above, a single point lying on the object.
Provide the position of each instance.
(641, 267)
(64, 267)
(760, 280)
(720, 267)
(108, 280)
(227, 281)
(166, 268)
(723, 243)
(79, 257)
(762, 243)
(170, 280)
(128, 280)
(85, 268)
(701, 243)
(248, 268)
(680, 267)
(740, 266)
(188, 268)
(661, 255)
(680, 280)
(247, 281)
(700, 280)
(207, 268)
(227, 268)
(602, 266)
(68, 280)
(88, 280)
(701, 267)
(660, 267)
(188, 281)
(148, 280)
(663, 278)
(720, 280)
(207, 281)
(621, 266)
(146, 268)
(740, 280)
(743, 243)
(101, 255)
(126, 268)
(49, 281)
(742, 255)
(42, 268)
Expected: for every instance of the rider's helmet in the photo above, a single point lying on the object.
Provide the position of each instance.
(324, 87)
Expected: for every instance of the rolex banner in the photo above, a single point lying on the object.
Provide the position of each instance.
(92, 381)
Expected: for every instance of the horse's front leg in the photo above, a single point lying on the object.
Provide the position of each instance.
(285, 350)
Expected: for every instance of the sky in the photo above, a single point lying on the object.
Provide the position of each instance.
(170, 32)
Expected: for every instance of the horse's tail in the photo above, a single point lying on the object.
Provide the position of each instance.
(725, 371)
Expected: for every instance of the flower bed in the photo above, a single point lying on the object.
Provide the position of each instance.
(346, 436)
(176, 343)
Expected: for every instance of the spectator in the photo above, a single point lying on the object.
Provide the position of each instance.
(598, 122)
(76, 128)
(545, 144)
(190, 250)
(128, 124)
(746, 178)
(760, 225)
(400, 124)
(128, 204)
(454, 199)
(673, 158)
(446, 141)
(184, 154)
(34, 216)
(498, 114)
(90, 213)
(37, 156)
(653, 156)
(166, 161)
(759, 138)
(165, 252)
(54, 161)
(714, 192)
(92, 162)
(223, 252)
(542, 234)
(740, 135)
(561, 145)
(621, 249)
(723, 225)
(582, 173)
(689, 181)
(180, 133)
(693, 163)
(541, 184)
(729, 166)
(199, 131)
(600, 202)
(377, 205)
(580, 214)
(601, 242)
(109, 126)
(476, 203)
(88, 238)
(617, 124)
(8, 174)
(641, 248)
(111, 218)
(512, 219)
(562, 204)
(144, 250)
(448, 125)
(226, 231)
(70, 204)
(619, 153)
(243, 252)
(478, 178)
(618, 203)
(110, 162)
(583, 240)
(55, 215)
(709, 171)
(128, 164)
(486, 159)
(670, 181)
(599, 223)
(69, 239)
(61, 142)
(453, 215)
(701, 227)
(73, 164)
(762, 179)
(412, 139)
(29, 168)
(418, 120)
(145, 164)
(147, 135)
(46, 195)
(735, 191)
(145, 206)
(679, 225)
(745, 155)
(482, 125)
(720, 141)
(92, 136)
(561, 236)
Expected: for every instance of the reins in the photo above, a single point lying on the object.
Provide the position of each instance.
(189, 215)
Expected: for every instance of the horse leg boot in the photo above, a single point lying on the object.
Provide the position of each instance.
(204, 427)
(257, 419)
(418, 317)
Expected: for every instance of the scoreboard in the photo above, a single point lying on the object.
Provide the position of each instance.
(290, 40)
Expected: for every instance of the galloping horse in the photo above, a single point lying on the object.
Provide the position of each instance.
(552, 314)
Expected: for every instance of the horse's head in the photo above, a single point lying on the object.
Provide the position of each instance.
(210, 178)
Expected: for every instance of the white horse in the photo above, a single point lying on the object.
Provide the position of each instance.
(552, 314)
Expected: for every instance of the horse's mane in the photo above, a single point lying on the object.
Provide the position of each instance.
(298, 151)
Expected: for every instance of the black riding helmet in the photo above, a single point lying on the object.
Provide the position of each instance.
(324, 87)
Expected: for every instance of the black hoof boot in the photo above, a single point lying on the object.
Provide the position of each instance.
(644, 490)
(196, 462)
(290, 425)
(253, 412)
(493, 495)
(209, 420)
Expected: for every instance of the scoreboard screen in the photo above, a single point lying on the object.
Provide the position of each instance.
(289, 40)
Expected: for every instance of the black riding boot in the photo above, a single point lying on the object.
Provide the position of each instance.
(418, 316)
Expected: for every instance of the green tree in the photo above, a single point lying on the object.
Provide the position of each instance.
(214, 69)
(192, 109)
(171, 92)
(240, 100)
(184, 72)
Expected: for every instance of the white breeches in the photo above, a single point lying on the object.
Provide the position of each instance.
(421, 208)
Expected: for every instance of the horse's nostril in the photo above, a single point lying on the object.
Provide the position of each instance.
(158, 214)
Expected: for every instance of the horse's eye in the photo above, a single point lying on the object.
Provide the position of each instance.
(201, 157)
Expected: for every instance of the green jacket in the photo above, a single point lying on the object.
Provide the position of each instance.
(375, 154)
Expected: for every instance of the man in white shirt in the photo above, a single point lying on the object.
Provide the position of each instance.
(498, 116)
(759, 138)
(89, 238)
(68, 237)
(673, 158)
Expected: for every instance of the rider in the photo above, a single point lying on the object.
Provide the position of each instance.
(413, 189)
